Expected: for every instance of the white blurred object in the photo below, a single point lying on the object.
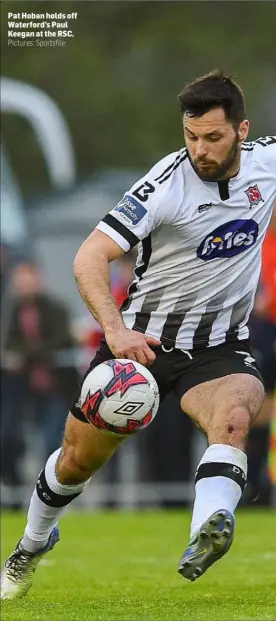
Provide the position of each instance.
(48, 125)
(13, 221)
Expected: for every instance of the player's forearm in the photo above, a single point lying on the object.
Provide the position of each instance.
(92, 278)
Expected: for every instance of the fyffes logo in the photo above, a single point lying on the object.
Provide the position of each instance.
(228, 240)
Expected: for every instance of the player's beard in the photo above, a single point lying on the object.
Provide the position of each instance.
(218, 172)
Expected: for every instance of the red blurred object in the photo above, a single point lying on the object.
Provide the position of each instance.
(268, 274)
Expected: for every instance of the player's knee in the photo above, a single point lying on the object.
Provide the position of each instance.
(238, 424)
(232, 429)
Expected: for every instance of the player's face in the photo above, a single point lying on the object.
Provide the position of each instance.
(213, 144)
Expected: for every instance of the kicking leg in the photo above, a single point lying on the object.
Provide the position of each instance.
(66, 474)
(224, 408)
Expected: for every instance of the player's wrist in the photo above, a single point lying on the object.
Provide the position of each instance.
(114, 329)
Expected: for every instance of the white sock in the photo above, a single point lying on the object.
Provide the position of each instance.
(218, 492)
(43, 517)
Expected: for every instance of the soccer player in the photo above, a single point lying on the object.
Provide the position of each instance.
(199, 218)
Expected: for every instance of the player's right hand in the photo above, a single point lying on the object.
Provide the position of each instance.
(134, 345)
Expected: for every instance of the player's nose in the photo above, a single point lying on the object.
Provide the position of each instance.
(201, 150)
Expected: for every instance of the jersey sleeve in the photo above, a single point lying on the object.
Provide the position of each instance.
(150, 202)
(266, 153)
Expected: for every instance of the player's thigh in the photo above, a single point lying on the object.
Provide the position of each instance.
(238, 395)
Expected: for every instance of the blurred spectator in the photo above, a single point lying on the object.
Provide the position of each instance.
(9, 256)
(263, 333)
(35, 377)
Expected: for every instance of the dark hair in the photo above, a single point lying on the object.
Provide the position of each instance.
(213, 90)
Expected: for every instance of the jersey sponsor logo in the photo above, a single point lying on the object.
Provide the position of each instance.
(205, 207)
(254, 195)
(130, 210)
(228, 240)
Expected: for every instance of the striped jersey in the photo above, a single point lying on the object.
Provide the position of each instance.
(199, 247)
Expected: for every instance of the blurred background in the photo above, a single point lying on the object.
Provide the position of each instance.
(80, 123)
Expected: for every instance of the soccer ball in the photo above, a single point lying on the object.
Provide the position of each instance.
(120, 396)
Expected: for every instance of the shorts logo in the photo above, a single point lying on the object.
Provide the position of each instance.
(228, 240)
(248, 359)
(130, 210)
(254, 195)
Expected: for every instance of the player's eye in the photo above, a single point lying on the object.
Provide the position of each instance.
(214, 138)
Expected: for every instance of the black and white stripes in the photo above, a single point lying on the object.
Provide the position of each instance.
(166, 174)
(197, 271)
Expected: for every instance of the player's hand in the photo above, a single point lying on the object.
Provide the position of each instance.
(130, 344)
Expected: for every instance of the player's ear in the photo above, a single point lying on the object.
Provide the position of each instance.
(243, 130)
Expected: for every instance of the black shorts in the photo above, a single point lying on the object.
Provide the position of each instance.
(264, 349)
(177, 371)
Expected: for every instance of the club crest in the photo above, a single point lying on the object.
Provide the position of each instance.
(254, 195)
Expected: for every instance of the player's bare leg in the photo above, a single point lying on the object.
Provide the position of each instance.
(66, 474)
(224, 408)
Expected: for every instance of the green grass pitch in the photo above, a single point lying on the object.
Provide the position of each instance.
(114, 565)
